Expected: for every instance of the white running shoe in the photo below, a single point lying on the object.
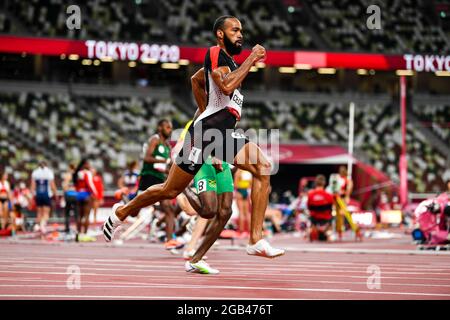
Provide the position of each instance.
(199, 267)
(263, 249)
(111, 224)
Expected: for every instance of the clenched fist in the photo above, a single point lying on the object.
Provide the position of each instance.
(258, 52)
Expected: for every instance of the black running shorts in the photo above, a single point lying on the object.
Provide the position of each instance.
(147, 181)
(214, 135)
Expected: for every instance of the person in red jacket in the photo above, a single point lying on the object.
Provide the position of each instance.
(98, 183)
(320, 206)
(86, 192)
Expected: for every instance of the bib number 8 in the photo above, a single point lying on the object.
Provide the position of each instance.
(201, 186)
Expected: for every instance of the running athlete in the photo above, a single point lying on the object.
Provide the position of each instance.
(224, 103)
(154, 172)
(214, 184)
(5, 197)
(86, 193)
(43, 187)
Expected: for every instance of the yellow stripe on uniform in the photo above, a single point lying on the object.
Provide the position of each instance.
(185, 130)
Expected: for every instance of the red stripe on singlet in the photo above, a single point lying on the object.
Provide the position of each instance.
(214, 56)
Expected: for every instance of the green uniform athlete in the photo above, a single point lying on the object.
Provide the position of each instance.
(214, 184)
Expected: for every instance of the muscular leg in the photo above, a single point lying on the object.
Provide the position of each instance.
(193, 199)
(216, 226)
(79, 218)
(252, 159)
(86, 212)
(205, 204)
(95, 205)
(240, 205)
(38, 215)
(184, 204)
(45, 216)
(200, 226)
(169, 217)
(2, 216)
(176, 182)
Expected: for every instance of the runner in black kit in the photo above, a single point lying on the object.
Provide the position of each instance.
(224, 102)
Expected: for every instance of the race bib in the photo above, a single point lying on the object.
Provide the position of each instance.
(236, 101)
(201, 186)
(194, 155)
(160, 166)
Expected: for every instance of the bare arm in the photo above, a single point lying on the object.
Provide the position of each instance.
(198, 90)
(66, 181)
(349, 190)
(120, 183)
(53, 186)
(33, 186)
(90, 181)
(229, 81)
(237, 176)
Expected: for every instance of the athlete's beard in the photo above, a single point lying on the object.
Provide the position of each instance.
(231, 47)
(165, 135)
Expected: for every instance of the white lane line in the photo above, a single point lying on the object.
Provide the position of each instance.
(241, 248)
(240, 277)
(183, 278)
(240, 265)
(163, 268)
(413, 264)
(203, 287)
(34, 296)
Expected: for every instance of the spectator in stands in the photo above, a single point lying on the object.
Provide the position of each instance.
(70, 196)
(98, 200)
(320, 205)
(5, 199)
(383, 202)
(43, 187)
(395, 203)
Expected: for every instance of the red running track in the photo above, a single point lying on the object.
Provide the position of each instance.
(40, 271)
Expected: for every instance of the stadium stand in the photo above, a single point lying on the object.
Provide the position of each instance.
(113, 129)
(377, 135)
(435, 116)
(110, 127)
(322, 24)
(70, 128)
(404, 28)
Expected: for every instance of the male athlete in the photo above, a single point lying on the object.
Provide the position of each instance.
(43, 187)
(154, 172)
(214, 185)
(224, 103)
